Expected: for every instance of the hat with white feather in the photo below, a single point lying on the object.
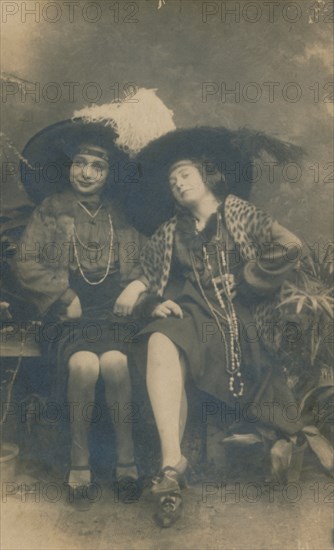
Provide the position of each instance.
(120, 128)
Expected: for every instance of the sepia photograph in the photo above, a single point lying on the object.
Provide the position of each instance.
(167, 275)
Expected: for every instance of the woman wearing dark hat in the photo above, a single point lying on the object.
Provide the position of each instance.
(214, 271)
(77, 273)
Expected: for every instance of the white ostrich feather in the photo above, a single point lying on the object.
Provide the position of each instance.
(137, 120)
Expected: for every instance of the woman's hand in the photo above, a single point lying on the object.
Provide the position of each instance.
(74, 310)
(127, 300)
(166, 309)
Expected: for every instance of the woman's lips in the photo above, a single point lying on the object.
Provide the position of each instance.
(85, 183)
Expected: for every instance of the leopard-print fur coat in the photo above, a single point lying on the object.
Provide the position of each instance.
(252, 230)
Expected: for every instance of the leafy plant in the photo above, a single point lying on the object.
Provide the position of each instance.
(308, 303)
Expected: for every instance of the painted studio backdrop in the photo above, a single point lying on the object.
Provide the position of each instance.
(235, 64)
(259, 65)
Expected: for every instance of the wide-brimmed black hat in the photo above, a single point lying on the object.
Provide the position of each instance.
(150, 201)
(48, 155)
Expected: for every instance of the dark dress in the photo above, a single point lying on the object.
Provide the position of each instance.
(197, 334)
(52, 280)
(98, 330)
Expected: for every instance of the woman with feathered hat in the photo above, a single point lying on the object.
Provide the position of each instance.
(85, 264)
(214, 270)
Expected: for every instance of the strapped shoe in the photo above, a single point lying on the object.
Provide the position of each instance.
(166, 488)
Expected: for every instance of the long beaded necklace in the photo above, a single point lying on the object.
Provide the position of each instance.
(225, 279)
(89, 246)
(92, 221)
(111, 236)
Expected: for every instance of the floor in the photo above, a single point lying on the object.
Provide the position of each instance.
(231, 510)
(245, 514)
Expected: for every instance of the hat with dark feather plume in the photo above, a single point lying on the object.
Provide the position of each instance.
(231, 152)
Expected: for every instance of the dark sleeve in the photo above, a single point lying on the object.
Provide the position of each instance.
(277, 260)
(130, 265)
(146, 304)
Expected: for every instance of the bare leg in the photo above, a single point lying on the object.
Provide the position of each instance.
(83, 374)
(184, 408)
(165, 384)
(114, 370)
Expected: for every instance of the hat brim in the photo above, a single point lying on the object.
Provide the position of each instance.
(150, 202)
(47, 155)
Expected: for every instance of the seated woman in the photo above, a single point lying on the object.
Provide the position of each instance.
(78, 273)
(213, 267)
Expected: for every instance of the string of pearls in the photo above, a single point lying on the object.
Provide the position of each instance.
(226, 281)
(89, 246)
(233, 368)
(111, 235)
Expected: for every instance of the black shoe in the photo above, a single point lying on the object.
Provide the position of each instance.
(128, 489)
(80, 496)
(167, 490)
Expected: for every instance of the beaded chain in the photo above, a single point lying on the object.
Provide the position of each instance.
(92, 221)
(111, 235)
(87, 246)
(234, 368)
(226, 281)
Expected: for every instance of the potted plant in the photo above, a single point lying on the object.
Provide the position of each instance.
(307, 361)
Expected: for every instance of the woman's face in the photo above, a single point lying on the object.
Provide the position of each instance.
(187, 184)
(88, 173)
